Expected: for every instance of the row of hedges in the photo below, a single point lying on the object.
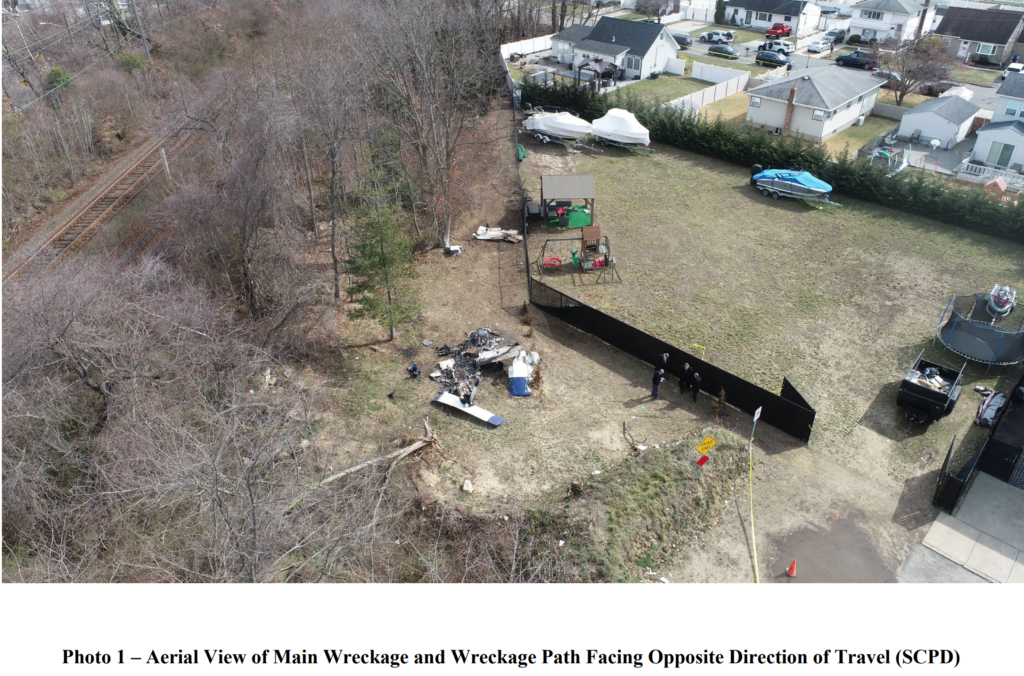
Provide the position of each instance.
(914, 192)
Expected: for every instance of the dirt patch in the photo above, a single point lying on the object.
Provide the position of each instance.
(836, 551)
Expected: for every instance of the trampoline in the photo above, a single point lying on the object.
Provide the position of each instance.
(968, 328)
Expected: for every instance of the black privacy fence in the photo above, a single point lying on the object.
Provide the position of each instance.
(787, 411)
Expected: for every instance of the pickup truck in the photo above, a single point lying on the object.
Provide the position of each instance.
(858, 59)
(779, 30)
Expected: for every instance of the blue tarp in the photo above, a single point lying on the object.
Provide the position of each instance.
(801, 177)
(519, 387)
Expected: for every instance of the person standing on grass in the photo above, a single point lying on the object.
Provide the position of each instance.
(656, 381)
(696, 387)
(685, 377)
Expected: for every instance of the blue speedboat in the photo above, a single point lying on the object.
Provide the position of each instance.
(793, 182)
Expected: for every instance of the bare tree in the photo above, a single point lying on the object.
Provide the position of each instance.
(914, 63)
(433, 66)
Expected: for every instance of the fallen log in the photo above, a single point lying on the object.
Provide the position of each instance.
(394, 458)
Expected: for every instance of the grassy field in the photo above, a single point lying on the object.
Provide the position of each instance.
(667, 87)
(631, 16)
(838, 300)
(909, 101)
(854, 137)
(978, 76)
(740, 35)
(731, 108)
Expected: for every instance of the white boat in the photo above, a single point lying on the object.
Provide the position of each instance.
(621, 126)
(558, 125)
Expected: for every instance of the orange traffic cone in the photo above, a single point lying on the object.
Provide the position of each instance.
(791, 571)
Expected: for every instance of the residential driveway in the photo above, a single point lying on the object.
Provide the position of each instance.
(984, 97)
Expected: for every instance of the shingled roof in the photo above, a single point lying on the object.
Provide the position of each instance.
(790, 7)
(895, 6)
(635, 35)
(826, 88)
(1015, 126)
(953, 108)
(574, 33)
(991, 26)
(1013, 86)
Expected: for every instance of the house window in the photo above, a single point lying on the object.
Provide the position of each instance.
(899, 29)
(987, 50)
(860, 98)
(755, 101)
(868, 33)
(868, 14)
(787, 18)
(761, 16)
(818, 115)
(735, 11)
(1013, 108)
(999, 154)
(849, 105)
(632, 63)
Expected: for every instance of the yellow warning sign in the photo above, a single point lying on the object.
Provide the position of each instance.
(706, 445)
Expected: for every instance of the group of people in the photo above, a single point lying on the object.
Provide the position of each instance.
(689, 379)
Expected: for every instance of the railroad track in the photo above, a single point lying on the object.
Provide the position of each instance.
(84, 225)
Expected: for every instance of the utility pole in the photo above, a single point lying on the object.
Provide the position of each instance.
(142, 31)
(920, 22)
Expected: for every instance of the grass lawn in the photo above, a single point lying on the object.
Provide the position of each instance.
(518, 71)
(909, 101)
(839, 300)
(740, 35)
(666, 87)
(727, 63)
(632, 16)
(855, 136)
(978, 76)
(731, 108)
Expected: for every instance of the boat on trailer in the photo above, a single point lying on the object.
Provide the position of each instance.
(620, 128)
(558, 128)
(793, 182)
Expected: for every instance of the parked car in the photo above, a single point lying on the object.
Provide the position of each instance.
(773, 60)
(933, 72)
(723, 51)
(780, 46)
(936, 88)
(779, 30)
(890, 79)
(1013, 68)
(717, 37)
(858, 59)
(837, 35)
(818, 46)
(683, 40)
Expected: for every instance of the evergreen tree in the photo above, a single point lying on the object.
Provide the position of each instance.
(381, 259)
(720, 11)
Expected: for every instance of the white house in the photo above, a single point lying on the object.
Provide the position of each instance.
(1010, 104)
(985, 35)
(813, 103)
(890, 19)
(762, 14)
(946, 118)
(639, 48)
(1001, 144)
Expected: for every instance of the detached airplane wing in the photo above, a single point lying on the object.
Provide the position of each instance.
(450, 399)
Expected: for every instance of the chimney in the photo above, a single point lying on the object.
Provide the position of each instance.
(789, 108)
(613, 38)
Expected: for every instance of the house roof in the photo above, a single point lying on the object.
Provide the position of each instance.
(574, 33)
(952, 108)
(791, 7)
(568, 187)
(894, 6)
(991, 26)
(1012, 125)
(1013, 86)
(826, 88)
(634, 35)
(607, 48)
